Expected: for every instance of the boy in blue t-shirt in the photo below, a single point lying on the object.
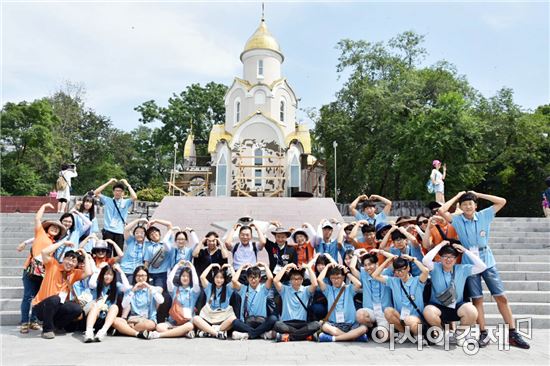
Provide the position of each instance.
(253, 321)
(294, 325)
(407, 291)
(341, 324)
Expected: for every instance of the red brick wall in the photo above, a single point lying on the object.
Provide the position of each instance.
(25, 204)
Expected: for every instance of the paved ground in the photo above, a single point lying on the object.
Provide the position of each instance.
(69, 350)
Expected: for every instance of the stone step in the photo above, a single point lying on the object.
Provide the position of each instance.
(522, 296)
(520, 308)
(523, 266)
(526, 234)
(15, 292)
(527, 245)
(10, 304)
(539, 258)
(519, 239)
(537, 321)
(500, 251)
(527, 276)
(524, 285)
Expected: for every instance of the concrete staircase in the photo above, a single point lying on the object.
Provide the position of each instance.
(521, 247)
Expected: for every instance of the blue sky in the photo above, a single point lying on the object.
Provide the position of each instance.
(125, 53)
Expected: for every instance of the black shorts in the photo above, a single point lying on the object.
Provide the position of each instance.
(62, 200)
(448, 315)
(117, 238)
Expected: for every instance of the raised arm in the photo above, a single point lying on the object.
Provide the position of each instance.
(447, 205)
(229, 236)
(123, 279)
(377, 274)
(261, 237)
(310, 231)
(204, 274)
(86, 223)
(353, 205)
(425, 271)
(133, 194)
(88, 265)
(119, 252)
(384, 244)
(387, 203)
(100, 189)
(428, 259)
(313, 279)
(356, 227)
(268, 274)
(197, 249)
(279, 276)
(321, 279)
(410, 237)
(235, 278)
(498, 202)
(353, 267)
(171, 275)
(128, 229)
(40, 213)
(479, 265)
(356, 283)
(49, 250)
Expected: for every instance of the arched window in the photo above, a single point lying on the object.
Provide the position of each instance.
(237, 111)
(260, 68)
(294, 173)
(282, 111)
(221, 177)
(259, 98)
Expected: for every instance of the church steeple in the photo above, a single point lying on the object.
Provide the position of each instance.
(262, 39)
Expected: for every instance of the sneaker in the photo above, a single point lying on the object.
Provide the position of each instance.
(143, 334)
(239, 336)
(269, 335)
(362, 338)
(100, 336)
(35, 326)
(24, 328)
(282, 337)
(484, 339)
(516, 340)
(154, 335)
(202, 334)
(310, 338)
(48, 335)
(190, 334)
(323, 337)
(221, 335)
(88, 337)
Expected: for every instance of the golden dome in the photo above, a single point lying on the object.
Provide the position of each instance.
(262, 39)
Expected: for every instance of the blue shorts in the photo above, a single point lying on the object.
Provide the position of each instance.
(492, 280)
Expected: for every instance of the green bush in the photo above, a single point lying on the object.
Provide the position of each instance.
(151, 194)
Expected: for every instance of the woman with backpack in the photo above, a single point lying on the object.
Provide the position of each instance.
(63, 186)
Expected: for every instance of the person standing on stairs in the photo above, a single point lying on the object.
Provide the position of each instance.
(473, 229)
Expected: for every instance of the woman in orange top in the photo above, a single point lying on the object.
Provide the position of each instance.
(52, 304)
(45, 233)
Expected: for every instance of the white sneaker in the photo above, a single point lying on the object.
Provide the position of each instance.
(269, 335)
(153, 335)
(100, 336)
(239, 336)
(201, 334)
(88, 337)
(190, 334)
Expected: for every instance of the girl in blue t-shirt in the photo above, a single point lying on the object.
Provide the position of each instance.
(183, 286)
(217, 315)
(139, 314)
(103, 310)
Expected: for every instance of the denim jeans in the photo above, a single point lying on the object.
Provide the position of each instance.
(30, 289)
(254, 328)
(54, 314)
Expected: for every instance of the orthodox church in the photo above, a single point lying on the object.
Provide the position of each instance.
(260, 150)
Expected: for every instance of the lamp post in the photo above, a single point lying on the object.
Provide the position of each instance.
(335, 145)
(175, 155)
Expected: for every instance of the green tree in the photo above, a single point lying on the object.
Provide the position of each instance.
(201, 106)
(28, 147)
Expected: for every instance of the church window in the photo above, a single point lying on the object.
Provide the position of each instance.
(237, 111)
(221, 177)
(261, 68)
(282, 111)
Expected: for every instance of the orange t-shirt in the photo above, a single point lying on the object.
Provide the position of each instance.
(110, 261)
(449, 232)
(305, 252)
(41, 241)
(55, 282)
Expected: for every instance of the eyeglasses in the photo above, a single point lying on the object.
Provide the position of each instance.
(423, 222)
(448, 257)
(400, 270)
(67, 221)
(141, 275)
